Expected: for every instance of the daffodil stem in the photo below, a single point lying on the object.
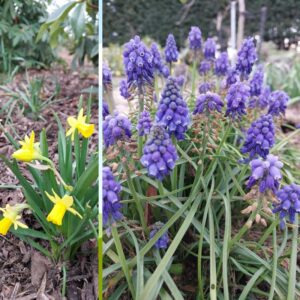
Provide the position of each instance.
(64, 285)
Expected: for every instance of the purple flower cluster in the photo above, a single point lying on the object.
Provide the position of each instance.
(195, 38)
(162, 242)
(172, 111)
(289, 205)
(246, 57)
(159, 154)
(256, 83)
(111, 203)
(278, 103)
(262, 101)
(222, 64)
(138, 63)
(232, 77)
(124, 89)
(105, 110)
(115, 128)
(207, 103)
(158, 64)
(237, 98)
(209, 49)
(266, 173)
(106, 75)
(204, 67)
(144, 123)
(205, 87)
(171, 52)
(260, 137)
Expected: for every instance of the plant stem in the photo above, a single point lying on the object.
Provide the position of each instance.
(122, 259)
(274, 264)
(141, 109)
(194, 73)
(175, 170)
(293, 263)
(156, 89)
(136, 199)
(64, 285)
(213, 275)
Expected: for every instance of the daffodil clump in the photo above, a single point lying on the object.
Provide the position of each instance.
(60, 196)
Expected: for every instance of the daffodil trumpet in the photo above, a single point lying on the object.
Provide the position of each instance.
(29, 150)
(80, 124)
(61, 206)
(11, 217)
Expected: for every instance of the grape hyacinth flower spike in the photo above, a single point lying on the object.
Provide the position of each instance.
(124, 90)
(256, 83)
(172, 111)
(205, 87)
(260, 137)
(171, 52)
(204, 67)
(144, 123)
(106, 77)
(262, 101)
(158, 66)
(246, 57)
(195, 39)
(206, 103)
(162, 242)
(278, 103)
(232, 77)
(159, 154)
(138, 62)
(289, 203)
(237, 97)
(266, 173)
(209, 49)
(105, 110)
(115, 128)
(222, 64)
(111, 202)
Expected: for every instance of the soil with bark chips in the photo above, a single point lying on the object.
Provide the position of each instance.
(25, 273)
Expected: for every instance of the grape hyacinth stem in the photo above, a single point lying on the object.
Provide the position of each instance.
(175, 170)
(136, 198)
(141, 109)
(156, 87)
(293, 262)
(194, 74)
(170, 69)
(108, 94)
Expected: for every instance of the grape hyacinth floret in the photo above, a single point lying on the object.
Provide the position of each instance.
(111, 202)
(124, 92)
(138, 62)
(204, 67)
(144, 123)
(105, 110)
(171, 53)
(237, 97)
(195, 38)
(158, 64)
(159, 154)
(266, 173)
(256, 83)
(115, 128)
(289, 203)
(209, 49)
(222, 64)
(172, 111)
(262, 101)
(207, 103)
(278, 103)
(246, 57)
(205, 87)
(260, 137)
(106, 75)
(162, 242)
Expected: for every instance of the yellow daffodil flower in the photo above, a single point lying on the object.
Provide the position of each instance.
(29, 150)
(61, 206)
(85, 129)
(11, 217)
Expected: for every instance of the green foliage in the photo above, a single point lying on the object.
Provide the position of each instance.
(217, 250)
(19, 24)
(77, 168)
(76, 23)
(30, 97)
(122, 19)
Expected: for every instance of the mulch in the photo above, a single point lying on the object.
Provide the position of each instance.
(24, 273)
